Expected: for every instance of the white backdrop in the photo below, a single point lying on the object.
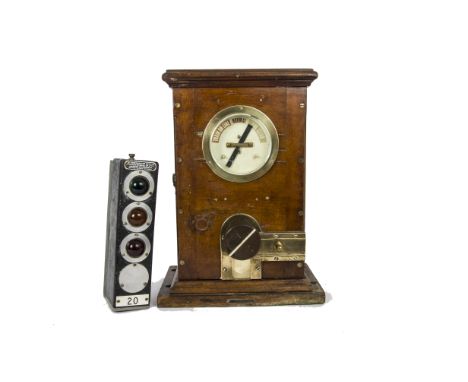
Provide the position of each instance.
(387, 187)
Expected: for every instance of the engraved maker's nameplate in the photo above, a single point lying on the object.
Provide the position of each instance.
(134, 165)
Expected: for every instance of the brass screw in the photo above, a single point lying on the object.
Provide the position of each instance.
(179, 160)
(224, 269)
(182, 262)
(299, 265)
(300, 213)
(177, 105)
(180, 211)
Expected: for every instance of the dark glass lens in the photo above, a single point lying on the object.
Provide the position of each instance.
(137, 217)
(135, 247)
(139, 185)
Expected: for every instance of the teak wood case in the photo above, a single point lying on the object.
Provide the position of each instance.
(204, 200)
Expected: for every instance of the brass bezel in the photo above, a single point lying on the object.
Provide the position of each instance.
(250, 112)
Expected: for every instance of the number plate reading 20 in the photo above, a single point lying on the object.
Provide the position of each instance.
(134, 300)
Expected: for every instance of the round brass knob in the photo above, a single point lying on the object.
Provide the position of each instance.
(278, 245)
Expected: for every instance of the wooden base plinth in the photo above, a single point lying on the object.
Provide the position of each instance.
(203, 293)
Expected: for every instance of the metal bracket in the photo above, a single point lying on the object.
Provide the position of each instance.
(274, 246)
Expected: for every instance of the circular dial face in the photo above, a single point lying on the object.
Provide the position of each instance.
(240, 143)
(242, 242)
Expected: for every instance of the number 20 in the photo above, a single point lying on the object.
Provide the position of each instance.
(132, 300)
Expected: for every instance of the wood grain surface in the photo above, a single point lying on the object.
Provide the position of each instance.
(204, 200)
(225, 78)
(202, 293)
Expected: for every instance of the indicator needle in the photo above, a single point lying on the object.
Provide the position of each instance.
(242, 242)
(237, 150)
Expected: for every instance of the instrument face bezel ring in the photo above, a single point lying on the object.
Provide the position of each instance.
(250, 112)
(127, 210)
(131, 236)
(134, 174)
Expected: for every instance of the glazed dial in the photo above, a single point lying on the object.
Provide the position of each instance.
(240, 143)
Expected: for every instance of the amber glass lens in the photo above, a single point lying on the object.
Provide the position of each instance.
(137, 217)
(135, 247)
(139, 185)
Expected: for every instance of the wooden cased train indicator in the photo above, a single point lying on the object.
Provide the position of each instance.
(240, 189)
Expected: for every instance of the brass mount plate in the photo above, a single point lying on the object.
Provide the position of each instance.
(274, 246)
